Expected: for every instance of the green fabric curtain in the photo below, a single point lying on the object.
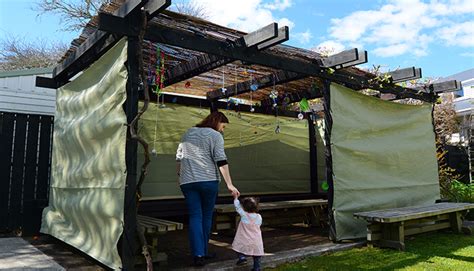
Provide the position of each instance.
(384, 156)
(261, 161)
(88, 170)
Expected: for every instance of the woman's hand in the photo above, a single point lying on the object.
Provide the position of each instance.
(232, 189)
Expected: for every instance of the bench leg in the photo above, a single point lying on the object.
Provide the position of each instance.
(456, 221)
(393, 235)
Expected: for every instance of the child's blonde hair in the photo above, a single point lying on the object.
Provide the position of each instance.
(250, 204)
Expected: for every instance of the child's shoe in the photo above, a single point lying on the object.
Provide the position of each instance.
(241, 261)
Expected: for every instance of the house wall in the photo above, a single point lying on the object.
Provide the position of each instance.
(18, 93)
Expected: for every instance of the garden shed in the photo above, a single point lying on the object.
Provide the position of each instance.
(145, 74)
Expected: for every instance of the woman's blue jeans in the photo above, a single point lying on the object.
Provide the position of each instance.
(200, 200)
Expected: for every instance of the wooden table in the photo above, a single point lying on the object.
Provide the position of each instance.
(310, 211)
(388, 228)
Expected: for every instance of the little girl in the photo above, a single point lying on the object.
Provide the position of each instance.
(248, 239)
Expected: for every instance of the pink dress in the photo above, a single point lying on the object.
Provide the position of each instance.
(248, 239)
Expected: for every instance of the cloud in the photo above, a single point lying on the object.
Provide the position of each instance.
(302, 37)
(329, 47)
(245, 15)
(279, 5)
(406, 26)
(468, 54)
(458, 34)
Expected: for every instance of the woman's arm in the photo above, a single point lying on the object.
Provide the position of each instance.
(228, 180)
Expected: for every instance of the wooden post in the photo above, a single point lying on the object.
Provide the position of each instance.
(329, 170)
(313, 163)
(129, 245)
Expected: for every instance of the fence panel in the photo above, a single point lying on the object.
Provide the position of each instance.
(25, 161)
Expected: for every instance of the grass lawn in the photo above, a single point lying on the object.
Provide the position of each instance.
(431, 251)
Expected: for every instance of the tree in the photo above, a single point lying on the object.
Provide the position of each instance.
(74, 14)
(192, 8)
(16, 53)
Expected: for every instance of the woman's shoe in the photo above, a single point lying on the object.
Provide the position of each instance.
(211, 255)
(198, 261)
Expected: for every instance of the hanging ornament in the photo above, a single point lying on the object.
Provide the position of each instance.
(324, 186)
(153, 152)
(253, 87)
(304, 105)
(300, 116)
(277, 129)
(252, 109)
(223, 90)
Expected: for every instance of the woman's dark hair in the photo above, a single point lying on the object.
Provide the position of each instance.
(212, 120)
(250, 204)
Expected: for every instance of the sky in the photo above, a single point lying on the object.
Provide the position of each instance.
(436, 35)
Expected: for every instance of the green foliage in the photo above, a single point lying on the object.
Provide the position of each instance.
(447, 175)
(461, 192)
(432, 251)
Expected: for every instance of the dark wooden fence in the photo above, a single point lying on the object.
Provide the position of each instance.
(25, 159)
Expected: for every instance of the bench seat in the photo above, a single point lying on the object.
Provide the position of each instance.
(309, 211)
(388, 227)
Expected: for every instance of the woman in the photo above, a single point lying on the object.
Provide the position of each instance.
(199, 156)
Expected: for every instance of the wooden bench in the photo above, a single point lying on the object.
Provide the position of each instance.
(308, 211)
(388, 228)
(153, 228)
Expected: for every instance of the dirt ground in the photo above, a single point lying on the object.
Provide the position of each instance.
(176, 246)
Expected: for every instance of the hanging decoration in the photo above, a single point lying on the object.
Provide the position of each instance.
(324, 186)
(300, 116)
(304, 105)
(156, 79)
(274, 94)
(159, 71)
(223, 88)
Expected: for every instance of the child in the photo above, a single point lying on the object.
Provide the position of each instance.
(248, 239)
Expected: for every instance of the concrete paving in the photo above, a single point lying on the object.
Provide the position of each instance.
(279, 258)
(17, 254)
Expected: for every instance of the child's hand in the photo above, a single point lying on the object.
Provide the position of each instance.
(235, 195)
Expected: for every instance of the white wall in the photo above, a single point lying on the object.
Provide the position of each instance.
(19, 94)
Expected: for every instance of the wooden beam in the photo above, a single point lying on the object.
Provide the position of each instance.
(194, 67)
(127, 7)
(448, 86)
(46, 82)
(153, 7)
(207, 62)
(280, 77)
(362, 56)
(401, 75)
(338, 59)
(283, 35)
(169, 35)
(117, 25)
(261, 35)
